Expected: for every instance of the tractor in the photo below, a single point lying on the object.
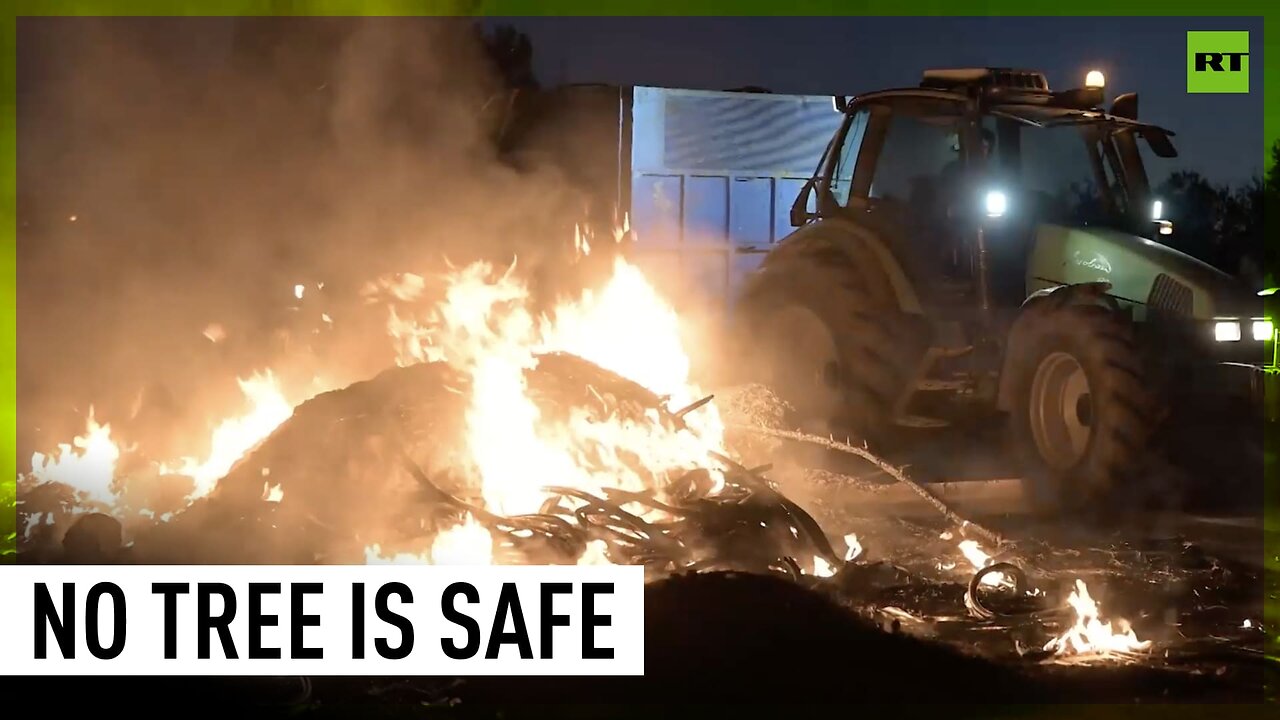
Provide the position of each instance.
(980, 251)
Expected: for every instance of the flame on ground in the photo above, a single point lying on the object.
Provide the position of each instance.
(1090, 635)
(822, 568)
(979, 559)
(86, 465)
(854, 548)
(236, 436)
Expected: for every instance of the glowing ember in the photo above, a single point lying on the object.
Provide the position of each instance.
(298, 290)
(234, 437)
(822, 568)
(215, 333)
(87, 465)
(272, 493)
(980, 559)
(854, 547)
(1091, 636)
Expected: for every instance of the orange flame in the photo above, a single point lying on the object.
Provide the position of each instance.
(86, 465)
(234, 437)
(485, 327)
(1090, 635)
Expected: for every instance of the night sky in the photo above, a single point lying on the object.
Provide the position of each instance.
(1217, 135)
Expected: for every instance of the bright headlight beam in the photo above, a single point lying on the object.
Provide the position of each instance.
(996, 203)
(1263, 330)
(1226, 331)
(1157, 210)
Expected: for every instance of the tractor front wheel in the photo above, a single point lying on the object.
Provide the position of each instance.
(1082, 414)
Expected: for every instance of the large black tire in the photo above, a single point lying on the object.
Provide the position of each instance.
(1083, 412)
(826, 335)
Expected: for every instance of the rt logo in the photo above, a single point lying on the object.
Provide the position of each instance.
(1217, 62)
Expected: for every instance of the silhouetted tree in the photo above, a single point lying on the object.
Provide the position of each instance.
(511, 52)
(1271, 216)
(1216, 223)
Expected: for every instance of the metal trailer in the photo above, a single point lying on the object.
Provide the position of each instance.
(706, 178)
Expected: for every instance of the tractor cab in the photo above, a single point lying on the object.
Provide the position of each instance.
(980, 253)
(985, 155)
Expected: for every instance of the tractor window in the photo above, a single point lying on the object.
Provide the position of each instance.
(1060, 178)
(921, 152)
(842, 178)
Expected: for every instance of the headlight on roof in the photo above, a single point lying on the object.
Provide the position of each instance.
(1263, 330)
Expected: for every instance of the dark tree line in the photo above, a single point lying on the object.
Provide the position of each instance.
(1223, 225)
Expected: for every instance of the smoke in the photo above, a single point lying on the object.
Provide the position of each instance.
(178, 173)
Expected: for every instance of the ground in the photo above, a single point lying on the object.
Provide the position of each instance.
(1198, 578)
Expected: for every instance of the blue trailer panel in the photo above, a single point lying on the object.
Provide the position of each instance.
(712, 179)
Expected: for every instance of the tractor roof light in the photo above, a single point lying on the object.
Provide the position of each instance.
(1263, 330)
(1095, 79)
(1157, 210)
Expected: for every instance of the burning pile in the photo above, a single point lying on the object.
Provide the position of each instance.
(502, 435)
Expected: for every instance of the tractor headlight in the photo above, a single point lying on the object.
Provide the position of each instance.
(1263, 330)
(1157, 210)
(1226, 331)
(996, 203)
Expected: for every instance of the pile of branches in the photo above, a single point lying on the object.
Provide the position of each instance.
(379, 463)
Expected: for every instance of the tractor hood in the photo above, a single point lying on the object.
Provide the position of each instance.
(1139, 270)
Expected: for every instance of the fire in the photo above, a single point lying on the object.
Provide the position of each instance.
(597, 554)
(485, 327)
(854, 547)
(234, 437)
(272, 493)
(467, 544)
(979, 559)
(1090, 635)
(822, 568)
(87, 464)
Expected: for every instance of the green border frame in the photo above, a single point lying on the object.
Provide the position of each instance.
(1269, 12)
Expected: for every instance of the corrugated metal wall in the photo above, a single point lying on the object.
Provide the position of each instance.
(713, 177)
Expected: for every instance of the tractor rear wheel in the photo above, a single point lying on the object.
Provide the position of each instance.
(825, 342)
(1083, 412)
